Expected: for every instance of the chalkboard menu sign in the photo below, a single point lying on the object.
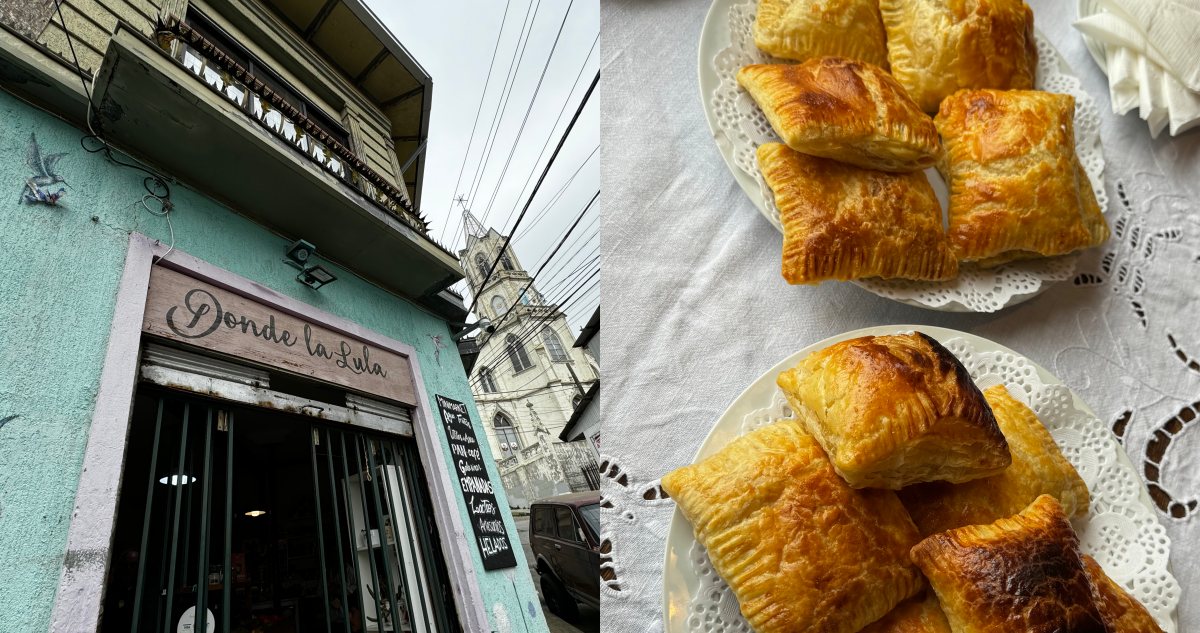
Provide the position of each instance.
(491, 536)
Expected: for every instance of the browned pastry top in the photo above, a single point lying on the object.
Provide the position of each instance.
(1016, 575)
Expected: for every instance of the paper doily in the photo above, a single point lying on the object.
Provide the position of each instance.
(1121, 533)
(975, 289)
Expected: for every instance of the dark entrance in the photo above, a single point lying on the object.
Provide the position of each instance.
(272, 524)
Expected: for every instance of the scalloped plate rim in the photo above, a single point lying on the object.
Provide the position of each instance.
(714, 37)
(679, 582)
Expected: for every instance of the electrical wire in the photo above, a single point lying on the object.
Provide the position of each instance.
(550, 135)
(543, 266)
(521, 130)
(541, 179)
(558, 194)
(524, 335)
(537, 325)
(502, 102)
(164, 199)
(471, 138)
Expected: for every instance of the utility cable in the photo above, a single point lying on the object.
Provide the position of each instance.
(471, 138)
(165, 198)
(501, 103)
(533, 194)
(550, 135)
(547, 261)
(532, 100)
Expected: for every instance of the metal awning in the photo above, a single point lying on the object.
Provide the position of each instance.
(148, 103)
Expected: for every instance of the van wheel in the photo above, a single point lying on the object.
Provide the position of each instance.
(558, 600)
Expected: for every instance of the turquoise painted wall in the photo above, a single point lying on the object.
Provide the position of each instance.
(59, 272)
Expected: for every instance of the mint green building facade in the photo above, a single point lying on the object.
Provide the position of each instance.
(65, 279)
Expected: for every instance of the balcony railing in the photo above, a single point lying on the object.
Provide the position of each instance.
(237, 85)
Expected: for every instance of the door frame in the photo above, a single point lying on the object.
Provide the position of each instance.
(79, 597)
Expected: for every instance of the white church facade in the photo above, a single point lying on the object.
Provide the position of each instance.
(527, 378)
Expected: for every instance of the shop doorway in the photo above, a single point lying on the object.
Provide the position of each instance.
(261, 520)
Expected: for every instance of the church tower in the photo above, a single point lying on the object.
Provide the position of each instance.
(528, 377)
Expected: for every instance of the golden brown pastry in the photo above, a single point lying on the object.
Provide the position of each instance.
(1016, 187)
(937, 47)
(801, 550)
(918, 614)
(802, 29)
(846, 110)
(1038, 468)
(843, 222)
(1122, 611)
(891, 411)
(1016, 575)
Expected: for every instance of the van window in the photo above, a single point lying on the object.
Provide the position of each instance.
(566, 525)
(543, 521)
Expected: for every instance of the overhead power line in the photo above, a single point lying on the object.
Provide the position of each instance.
(502, 102)
(541, 179)
(543, 266)
(550, 134)
(471, 139)
(536, 90)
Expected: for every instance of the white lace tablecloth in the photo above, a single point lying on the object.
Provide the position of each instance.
(696, 309)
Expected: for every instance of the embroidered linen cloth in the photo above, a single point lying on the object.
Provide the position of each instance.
(696, 308)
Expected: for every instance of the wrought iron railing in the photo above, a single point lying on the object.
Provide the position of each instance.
(229, 79)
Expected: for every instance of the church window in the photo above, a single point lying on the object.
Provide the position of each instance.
(516, 354)
(506, 262)
(482, 265)
(498, 306)
(506, 435)
(486, 380)
(524, 298)
(554, 346)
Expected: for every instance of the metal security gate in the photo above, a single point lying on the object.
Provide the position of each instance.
(258, 519)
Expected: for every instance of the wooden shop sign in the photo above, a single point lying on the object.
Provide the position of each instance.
(190, 311)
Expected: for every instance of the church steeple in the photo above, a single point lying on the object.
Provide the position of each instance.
(472, 226)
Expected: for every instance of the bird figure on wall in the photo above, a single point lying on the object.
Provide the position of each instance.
(438, 346)
(8, 419)
(44, 175)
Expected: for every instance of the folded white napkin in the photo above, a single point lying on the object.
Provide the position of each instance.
(1122, 77)
(1110, 29)
(1183, 105)
(1152, 104)
(1173, 26)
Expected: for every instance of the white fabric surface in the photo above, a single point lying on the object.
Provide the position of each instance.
(697, 308)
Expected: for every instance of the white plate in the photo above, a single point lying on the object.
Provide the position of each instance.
(680, 581)
(714, 38)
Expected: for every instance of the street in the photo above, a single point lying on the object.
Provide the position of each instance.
(589, 618)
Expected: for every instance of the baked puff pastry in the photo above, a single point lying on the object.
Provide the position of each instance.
(846, 110)
(1016, 575)
(1122, 611)
(891, 411)
(1038, 468)
(801, 550)
(1017, 189)
(919, 614)
(937, 47)
(802, 29)
(842, 222)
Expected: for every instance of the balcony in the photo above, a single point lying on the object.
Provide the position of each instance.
(184, 106)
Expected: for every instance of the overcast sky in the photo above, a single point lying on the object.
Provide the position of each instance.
(454, 42)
